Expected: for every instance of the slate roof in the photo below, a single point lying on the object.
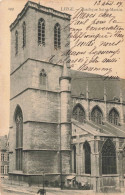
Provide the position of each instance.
(96, 85)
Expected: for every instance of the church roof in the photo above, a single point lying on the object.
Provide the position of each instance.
(89, 128)
(96, 85)
(106, 130)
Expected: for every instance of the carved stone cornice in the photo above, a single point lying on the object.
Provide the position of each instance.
(39, 8)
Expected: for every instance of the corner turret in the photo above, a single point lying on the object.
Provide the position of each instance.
(65, 120)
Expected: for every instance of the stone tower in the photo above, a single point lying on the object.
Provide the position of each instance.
(40, 94)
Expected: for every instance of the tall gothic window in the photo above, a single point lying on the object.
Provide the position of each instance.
(43, 77)
(24, 34)
(96, 115)
(78, 113)
(87, 155)
(41, 32)
(114, 117)
(16, 43)
(108, 158)
(74, 159)
(19, 138)
(57, 36)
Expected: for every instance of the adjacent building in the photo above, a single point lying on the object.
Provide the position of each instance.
(4, 155)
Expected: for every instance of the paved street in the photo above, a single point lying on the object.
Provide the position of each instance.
(48, 192)
(19, 188)
(51, 192)
(57, 193)
(24, 189)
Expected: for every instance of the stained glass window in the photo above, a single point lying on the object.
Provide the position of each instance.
(87, 151)
(108, 158)
(57, 36)
(78, 113)
(41, 32)
(96, 115)
(114, 117)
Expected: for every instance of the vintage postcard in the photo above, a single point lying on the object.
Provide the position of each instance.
(62, 97)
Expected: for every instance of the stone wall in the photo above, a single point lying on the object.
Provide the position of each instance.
(43, 53)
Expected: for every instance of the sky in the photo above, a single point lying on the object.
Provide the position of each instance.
(9, 10)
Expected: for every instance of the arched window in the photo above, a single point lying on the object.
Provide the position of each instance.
(87, 155)
(43, 77)
(78, 113)
(96, 115)
(41, 32)
(57, 36)
(74, 158)
(16, 43)
(24, 34)
(108, 158)
(19, 138)
(114, 117)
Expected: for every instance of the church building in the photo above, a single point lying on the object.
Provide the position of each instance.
(63, 123)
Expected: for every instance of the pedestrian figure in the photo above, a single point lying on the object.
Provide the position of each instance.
(41, 192)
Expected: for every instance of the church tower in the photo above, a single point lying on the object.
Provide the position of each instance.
(40, 94)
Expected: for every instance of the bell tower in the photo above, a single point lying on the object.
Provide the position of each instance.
(39, 37)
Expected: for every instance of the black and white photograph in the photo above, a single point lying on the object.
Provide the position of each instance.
(62, 97)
